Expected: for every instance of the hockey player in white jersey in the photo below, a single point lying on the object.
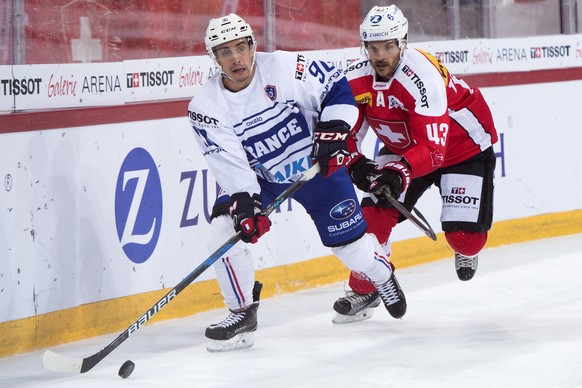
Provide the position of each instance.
(260, 122)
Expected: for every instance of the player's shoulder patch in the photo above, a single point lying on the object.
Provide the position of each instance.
(364, 98)
(300, 66)
(443, 71)
(284, 61)
(360, 77)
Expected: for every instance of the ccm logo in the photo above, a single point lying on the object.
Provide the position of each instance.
(330, 136)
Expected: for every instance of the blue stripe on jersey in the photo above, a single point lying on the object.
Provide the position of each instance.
(255, 163)
(288, 104)
(276, 140)
(261, 123)
(290, 156)
(340, 93)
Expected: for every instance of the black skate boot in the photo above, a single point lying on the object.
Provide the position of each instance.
(393, 297)
(466, 266)
(236, 330)
(355, 307)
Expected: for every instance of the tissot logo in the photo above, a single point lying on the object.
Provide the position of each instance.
(149, 79)
(138, 205)
(550, 51)
(16, 87)
(458, 190)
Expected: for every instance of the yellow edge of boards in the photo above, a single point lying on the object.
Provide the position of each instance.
(116, 315)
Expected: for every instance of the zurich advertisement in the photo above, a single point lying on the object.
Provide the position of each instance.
(138, 205)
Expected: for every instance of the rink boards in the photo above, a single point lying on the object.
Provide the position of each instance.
(81, 257)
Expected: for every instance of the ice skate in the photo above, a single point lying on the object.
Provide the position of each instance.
(393, 297)
(355, 307)
(241, 341)
(236, 330)
(466, 266)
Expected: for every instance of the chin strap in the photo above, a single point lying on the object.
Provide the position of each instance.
(223, 74)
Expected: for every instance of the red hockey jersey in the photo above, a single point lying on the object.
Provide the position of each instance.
(424, 113)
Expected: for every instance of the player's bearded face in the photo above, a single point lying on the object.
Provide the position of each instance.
(235, 58)
(384, 57)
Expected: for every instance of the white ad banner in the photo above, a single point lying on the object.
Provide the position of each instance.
(31, 87)
(165, 78)
(476, 56)
(64, 85)
(507, 55)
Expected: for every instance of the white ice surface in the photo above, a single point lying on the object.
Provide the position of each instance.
(518, 323)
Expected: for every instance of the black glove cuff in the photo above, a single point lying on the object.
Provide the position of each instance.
(257, 202)
(332, 126)
(242, 204)
(359, 171)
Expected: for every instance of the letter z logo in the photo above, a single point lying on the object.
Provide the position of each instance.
(138, 205)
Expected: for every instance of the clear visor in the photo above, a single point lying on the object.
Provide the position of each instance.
(226, 52)
(377, 47)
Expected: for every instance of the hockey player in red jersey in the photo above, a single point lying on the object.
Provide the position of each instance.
(435, 129)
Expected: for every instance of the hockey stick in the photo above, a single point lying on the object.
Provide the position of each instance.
(384, 192)
(425, 227)
(65, 364)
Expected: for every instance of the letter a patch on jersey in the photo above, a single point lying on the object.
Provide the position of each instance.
(271, 92)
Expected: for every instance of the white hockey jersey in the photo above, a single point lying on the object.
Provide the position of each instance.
(266, 129)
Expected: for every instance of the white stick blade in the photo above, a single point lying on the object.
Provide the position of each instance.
(58, 363)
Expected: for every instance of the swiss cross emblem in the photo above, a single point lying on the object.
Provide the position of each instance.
(300, 67)
(85, 28)
(392, 133)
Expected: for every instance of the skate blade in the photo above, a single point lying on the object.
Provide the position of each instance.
(238, 342)
(361, 316)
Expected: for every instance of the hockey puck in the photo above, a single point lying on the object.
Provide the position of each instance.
(126, 369)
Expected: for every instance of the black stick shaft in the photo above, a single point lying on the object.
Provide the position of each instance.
(69, 365)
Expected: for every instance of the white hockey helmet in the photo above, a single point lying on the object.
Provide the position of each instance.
(384, 23)
(225, 29)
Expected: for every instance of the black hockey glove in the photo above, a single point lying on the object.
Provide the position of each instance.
(247, 218)
(330, 145)
(368, 176)
(361, 169)
(392, 178)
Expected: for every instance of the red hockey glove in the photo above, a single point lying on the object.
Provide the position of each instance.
(330, 147)
(393, 177)
(247, 218)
